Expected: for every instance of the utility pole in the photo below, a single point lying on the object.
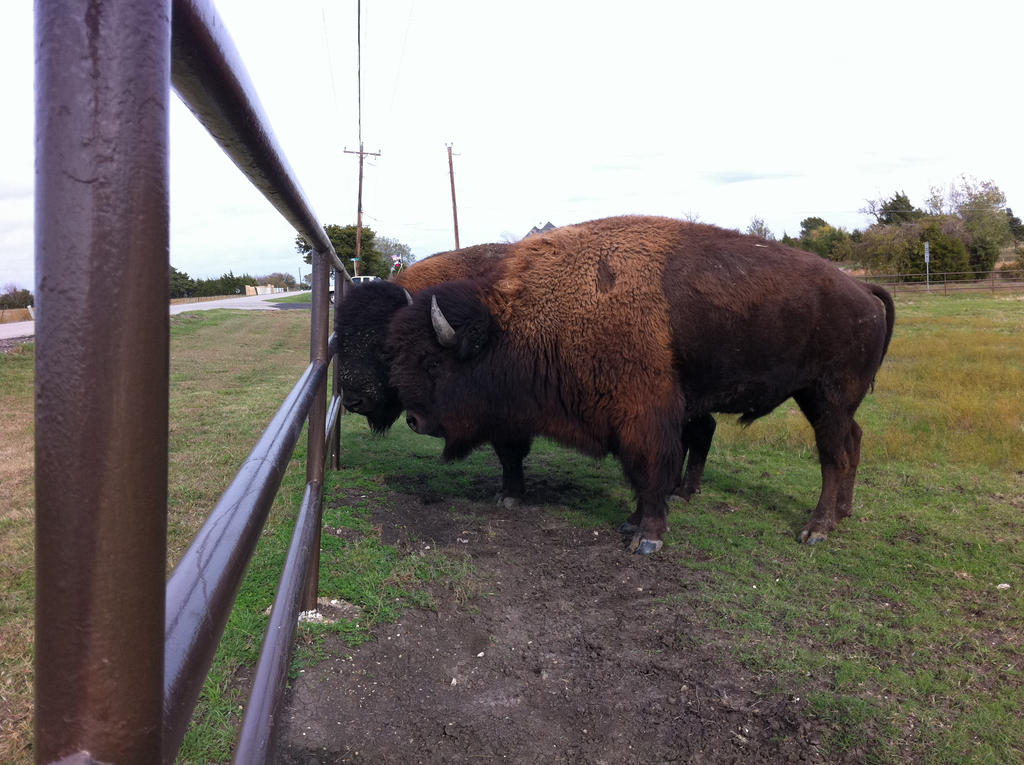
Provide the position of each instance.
(455, 210)
(359, 206)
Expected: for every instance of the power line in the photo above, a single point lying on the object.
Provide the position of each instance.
(359, 79)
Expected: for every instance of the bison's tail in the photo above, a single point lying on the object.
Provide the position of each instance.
(890, 313)
(890, 319)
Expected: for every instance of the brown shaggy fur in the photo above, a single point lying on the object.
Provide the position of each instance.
(618, 334)
(478, 260)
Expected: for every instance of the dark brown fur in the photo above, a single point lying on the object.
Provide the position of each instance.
(618, 334)
(365, 313)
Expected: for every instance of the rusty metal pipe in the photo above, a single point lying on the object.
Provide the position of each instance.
(102, 360)
(212, 81)
(255, 741)
(204, 584)
(333, 413)
(318, 352)
(301, 571)
(334, 448)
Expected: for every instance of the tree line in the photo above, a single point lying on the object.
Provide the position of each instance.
(967, 226)
(183, 285)
(380, 256)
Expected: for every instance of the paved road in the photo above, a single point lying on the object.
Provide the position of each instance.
(19, 329)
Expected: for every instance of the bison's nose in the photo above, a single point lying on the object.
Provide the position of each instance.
(414, 421)
(352, 402)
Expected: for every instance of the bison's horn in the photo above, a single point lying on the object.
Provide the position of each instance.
(443, 330)
(408, 297)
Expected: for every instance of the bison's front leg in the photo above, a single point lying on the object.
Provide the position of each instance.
(511, 453)
(652, 467)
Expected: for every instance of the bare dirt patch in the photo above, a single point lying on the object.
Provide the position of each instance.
(8, 344)
(566, 650)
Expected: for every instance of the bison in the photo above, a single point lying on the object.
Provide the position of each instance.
(623, 335)
(364, 317)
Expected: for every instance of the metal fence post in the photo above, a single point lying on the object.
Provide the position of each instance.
(101, 233)
(317, 413)
(339, 293)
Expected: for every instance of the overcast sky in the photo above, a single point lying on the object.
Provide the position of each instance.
(569, 111)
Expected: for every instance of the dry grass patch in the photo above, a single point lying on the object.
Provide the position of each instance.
(230, 372)
(16, 535)
(222, 397)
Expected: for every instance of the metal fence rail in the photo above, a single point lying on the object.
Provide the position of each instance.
(120, 653)
(948, 282)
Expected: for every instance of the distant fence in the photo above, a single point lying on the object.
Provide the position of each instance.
(10, 315)
(121, 652)
(946, 283)
(263, 289)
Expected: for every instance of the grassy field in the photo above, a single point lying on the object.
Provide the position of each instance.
(302, 297)
(899, 630)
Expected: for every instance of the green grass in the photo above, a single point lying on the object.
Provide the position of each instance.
(894, 631)
(896, 626)
(229, 376)
(16, 552)
(305, 297)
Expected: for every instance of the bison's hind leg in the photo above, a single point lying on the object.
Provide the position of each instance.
(696, 438)
(844, 496)
(838, 439)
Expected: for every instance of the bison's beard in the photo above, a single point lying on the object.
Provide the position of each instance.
(382, 418)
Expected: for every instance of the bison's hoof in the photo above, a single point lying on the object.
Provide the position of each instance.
(642, 546)
(509, 503)
(628, 529)
(809, 537)
(649, 546)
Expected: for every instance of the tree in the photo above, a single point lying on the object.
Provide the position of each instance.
(14, 297)
(981, 207)
(395, 254)
(1016, 227)
(897, 209)
(277, 279)
(343, 238)
(818, 236)
(182, 285)
(226, 284)
(948, 253)
(899, 249)
(828, 241)
(807, 225)
(757, 227)
(888, 249)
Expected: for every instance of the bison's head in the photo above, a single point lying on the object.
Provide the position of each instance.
(444, 364)
(364, 315)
